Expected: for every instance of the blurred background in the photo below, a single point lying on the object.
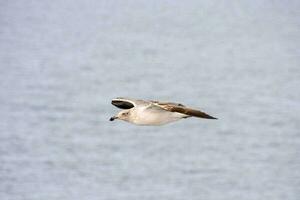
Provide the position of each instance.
(62, 62)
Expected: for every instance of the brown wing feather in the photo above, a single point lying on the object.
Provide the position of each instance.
(187, 111)
(166, 103)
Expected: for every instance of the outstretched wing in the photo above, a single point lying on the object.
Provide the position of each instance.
(123, 103)
(127, 103)
(175, 107)
(160, 103)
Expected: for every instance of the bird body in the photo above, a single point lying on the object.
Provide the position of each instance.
(142, 112)
(149, 115)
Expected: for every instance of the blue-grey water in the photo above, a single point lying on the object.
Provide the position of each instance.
(62, 62)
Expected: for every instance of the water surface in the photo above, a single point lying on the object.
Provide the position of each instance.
(62, 62)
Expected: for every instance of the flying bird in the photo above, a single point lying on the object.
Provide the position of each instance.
(142, 112)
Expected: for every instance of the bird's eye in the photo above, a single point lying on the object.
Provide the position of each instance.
(124, 114)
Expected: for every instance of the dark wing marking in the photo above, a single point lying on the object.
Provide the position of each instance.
(186, 111)
(122, 103)
(167, 103)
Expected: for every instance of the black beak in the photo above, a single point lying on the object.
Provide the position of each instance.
(112, 118)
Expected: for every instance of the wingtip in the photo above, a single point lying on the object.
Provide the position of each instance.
(212, 118)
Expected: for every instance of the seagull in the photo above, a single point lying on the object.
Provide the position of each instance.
(142, 112)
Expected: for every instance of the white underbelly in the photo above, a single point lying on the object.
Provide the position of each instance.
(157, 118)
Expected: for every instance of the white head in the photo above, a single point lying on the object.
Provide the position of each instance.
(123, 115)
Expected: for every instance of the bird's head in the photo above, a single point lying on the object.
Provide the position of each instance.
(122, 115)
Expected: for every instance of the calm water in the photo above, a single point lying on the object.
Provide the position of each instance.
(61, 63)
